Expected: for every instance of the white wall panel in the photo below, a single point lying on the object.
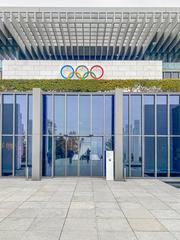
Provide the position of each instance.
(25, 69)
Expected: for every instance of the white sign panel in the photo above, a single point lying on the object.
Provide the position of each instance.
(109, 165)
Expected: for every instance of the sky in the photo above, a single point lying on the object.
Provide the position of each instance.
(90, 3)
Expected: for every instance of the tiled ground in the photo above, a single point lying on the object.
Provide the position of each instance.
(88, 209)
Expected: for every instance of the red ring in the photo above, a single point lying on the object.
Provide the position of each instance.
(100, 75)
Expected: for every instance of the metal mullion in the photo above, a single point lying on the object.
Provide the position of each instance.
(91, 114)
(155, 139)
(14, 109)
(65, 131)
(129, 138)
(169, 140)
(143, 137)
(26, 132)
(1, 103)
(103, 137)
(53, 138)
(79, 138)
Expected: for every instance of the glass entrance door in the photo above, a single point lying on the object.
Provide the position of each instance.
(91, 156)
(78, 156)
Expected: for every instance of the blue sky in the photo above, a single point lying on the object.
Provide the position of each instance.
(92, 3)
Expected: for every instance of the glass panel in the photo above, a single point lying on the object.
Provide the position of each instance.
(85, 115)
(60, 156)
(72, 156)
(29, 155)
(109, 115)
(162, 156)
(7, 113)
(47, 156)
(84, 156)
(162, 115)
(175, 115)
(97, 156)
(72, 115)
(135, 122)
(125, 115)
(30, 114)
(98, 115)
(136, 156)
(47, 114)
(59, 115)
(149, 116)
(175, 157)
(126, 153)
(149, 156)
(20, 114)
(20, 156)
(7, 156)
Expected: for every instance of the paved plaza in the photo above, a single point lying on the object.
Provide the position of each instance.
(88, 209)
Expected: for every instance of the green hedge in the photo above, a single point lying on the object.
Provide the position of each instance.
(166, 85)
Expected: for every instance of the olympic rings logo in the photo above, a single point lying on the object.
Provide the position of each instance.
(82, 72)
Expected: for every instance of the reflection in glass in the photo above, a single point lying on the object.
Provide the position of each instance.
(72, 156)
(7, 114)
(47, 156)
(29, 114)
(85, 156)
(72, 115)
(97, 156)
(29, 155)
(126, 154)
(109, 115)
(47, 114)
(84, 115)
(125, 115)
(175, 115)
(7, 156)
(98, 115)
(60, 156)
(149, 156)
(135, 122)
(162, 156)
(20, 156)
(175, 157)
(20, 114)
(59, 114)
(162, 115)
(149, 119)
(136, 156)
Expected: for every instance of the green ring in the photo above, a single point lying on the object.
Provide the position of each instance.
(86, 74)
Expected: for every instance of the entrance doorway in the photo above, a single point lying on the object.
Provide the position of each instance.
(79, 156)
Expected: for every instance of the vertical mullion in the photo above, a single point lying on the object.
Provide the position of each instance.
(78, 163)
(26, 131)
(103, 153)
(143, 137)
(53, 138)
(155, 142)
(91, 115)
(65, 131)
(14, 109)
(1, 105)
(129, 133)
(169, 140)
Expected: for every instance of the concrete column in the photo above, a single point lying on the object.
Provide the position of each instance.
(118, 148)
(37, 134)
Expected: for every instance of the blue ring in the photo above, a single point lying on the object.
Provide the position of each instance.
(63, 69)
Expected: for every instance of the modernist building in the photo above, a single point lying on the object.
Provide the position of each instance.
(68, 134)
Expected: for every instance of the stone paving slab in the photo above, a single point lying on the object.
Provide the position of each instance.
(88, 209)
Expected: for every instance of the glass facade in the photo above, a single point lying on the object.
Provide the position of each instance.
(151, 135)
(79, 128)
(16, 152)
(77, 133)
